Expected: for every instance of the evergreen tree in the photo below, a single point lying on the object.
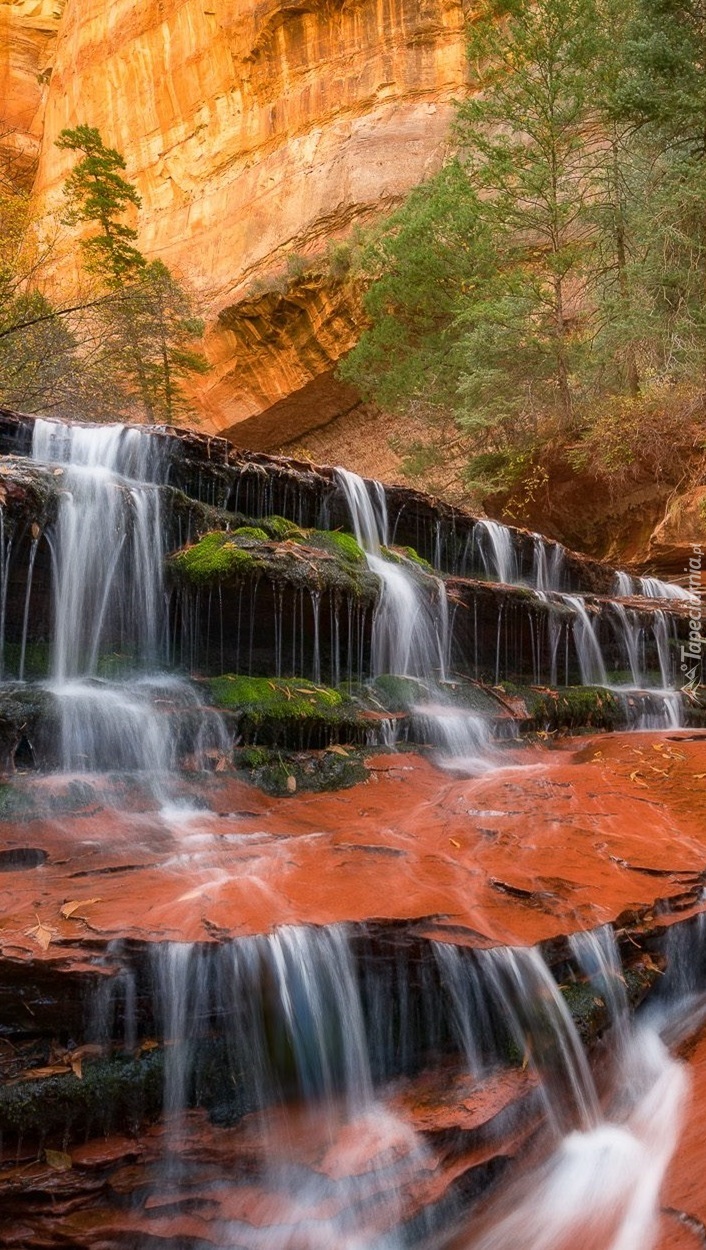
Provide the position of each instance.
(145, 323)
(96, 192)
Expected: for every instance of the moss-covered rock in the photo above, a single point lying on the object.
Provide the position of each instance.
(336, 543)
(327, 561)
(213, 558)
(284, 774)
(291, 714)
(251, 531)
(111, 1095)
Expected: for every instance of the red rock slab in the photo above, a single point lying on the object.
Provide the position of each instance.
(557, 840)
(237, 1186)
(684, 1191)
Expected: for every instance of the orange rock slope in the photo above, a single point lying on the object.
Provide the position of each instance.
(601, 830)
(253, 131)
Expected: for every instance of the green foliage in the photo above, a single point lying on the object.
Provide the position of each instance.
(553, 273)
(96, 192)
(144, 322)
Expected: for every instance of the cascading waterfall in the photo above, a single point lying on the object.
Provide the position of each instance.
(108, 550)
(599, 1188)
(301, 1032)
(291, 1010)
(411, 636)
(653, 588)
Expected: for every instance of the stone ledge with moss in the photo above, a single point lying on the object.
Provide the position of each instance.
(278, 549)
(289, 712)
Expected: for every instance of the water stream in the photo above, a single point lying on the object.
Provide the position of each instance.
(338, 1085)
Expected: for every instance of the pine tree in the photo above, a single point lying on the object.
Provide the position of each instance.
(96, 192)
(146, 323)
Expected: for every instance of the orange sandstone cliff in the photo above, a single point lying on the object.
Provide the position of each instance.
(255, 130)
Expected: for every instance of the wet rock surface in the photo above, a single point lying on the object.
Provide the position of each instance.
(595, 830)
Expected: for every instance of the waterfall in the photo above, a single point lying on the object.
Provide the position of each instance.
(411, 635)
(624, 585)
(498, 553)
(653, 588)
(586, 641)
(296, 1053)
(108, 547)
(600, 1186)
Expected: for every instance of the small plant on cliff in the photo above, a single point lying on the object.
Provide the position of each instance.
(144, 318)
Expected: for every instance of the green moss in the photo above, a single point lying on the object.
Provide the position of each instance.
(398, 694)
(335, 543)
(111, 1095)
(285, 773)
(279, 527)
(273, 697)
(250, 531)
(414, 556)
(212, 558)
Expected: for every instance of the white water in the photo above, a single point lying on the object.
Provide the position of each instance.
(291, 1008)
(410, 626)
(653, 588)
(107, 550)
(600, 1188)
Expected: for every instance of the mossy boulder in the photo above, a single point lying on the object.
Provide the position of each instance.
(111, 1095)
(284, 774)
(316, 560)
(290, 713)
(215, 557)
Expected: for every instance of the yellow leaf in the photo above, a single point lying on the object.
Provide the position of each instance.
(77, 1066)
(68, 909)
(291, 785)
(41, 933)
(58, 1160)
(658, 746)
(35, 530)
(455, 843)
(698, 776)
(638, 780)
(337, 751)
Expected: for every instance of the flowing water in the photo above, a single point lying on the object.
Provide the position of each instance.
(312, 1074)
(107, 549)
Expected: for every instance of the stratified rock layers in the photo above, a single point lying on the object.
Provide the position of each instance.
(253, 131)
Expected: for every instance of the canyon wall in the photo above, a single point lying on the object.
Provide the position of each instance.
(28, 30)
(257, 131)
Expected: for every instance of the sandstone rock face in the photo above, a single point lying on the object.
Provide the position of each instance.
(27, 35)
(254, 131)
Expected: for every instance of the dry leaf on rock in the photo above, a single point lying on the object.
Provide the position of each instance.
(58, 1160)
(70, 909)
(41, 933)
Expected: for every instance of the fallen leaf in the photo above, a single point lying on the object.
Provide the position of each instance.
(336, 750)
(41, 933)
(638, 780)
(57, 1160)
(698, 776)
(68, 909)
(77, 1066)
(291, 785)
(455, 843)
(36, 531)
(49, 1069)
